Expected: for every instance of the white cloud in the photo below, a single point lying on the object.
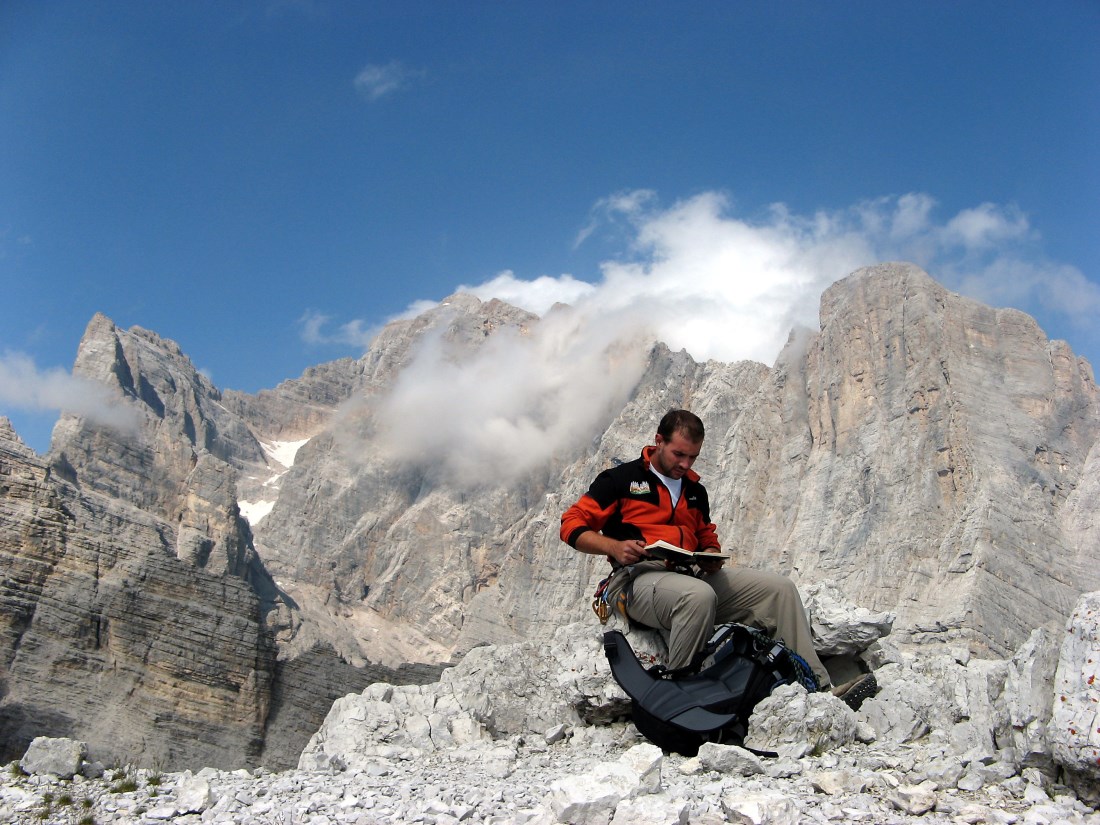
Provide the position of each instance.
(377, 81)
(698, 278)
(536, 296)
(23, 386)
(1054, 288)
(609, 209)
(356, 333)
(912, 214)
(508, 408)
(986, 226)
(415, 308)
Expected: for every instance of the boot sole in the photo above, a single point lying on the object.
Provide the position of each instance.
(861, 691)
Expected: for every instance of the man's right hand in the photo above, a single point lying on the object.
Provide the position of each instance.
(624, 552)
(627, 552)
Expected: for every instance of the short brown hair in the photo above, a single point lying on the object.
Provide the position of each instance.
(688, 424)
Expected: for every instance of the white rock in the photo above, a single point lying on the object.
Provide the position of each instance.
(729, 759)
(646, 761)
(913, 799)
(760, 808)
(1074, 729)
(650, 810)
(944, 772)
(906, 705)
(838, 782)
(591, 799)
(840, 627)
(690, 767)
(554, 734)
(795, 723)
(60, 757)
(1035, 795)
(193, 793)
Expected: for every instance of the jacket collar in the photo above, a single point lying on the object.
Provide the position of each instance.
(690, 475)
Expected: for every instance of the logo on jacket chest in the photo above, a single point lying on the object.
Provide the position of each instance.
(639, 488)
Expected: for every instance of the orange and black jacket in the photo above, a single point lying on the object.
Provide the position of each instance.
(630, 502)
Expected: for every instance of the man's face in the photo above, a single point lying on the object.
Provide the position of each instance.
(674, 456)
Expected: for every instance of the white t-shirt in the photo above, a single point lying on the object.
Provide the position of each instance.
(674, 486)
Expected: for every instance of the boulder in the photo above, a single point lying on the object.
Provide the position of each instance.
(840, 627)
(795, 723)
(193, 794)
(591, 798)
(60, 757)
(729, 759)
(764, 807)
(532, 687)
(1074, 729)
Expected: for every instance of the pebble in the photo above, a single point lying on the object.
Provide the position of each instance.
(636, 784)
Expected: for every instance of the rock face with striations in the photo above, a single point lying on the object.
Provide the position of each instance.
(926, 454)
(107, 634)
(920, 455)
(370, 530)
(135, 612)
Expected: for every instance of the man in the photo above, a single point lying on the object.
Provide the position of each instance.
(659, 496)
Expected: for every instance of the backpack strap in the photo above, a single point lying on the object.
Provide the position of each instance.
(669, 701)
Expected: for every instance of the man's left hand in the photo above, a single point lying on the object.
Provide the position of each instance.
(709, 566)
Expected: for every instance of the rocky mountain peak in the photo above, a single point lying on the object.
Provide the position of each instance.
(10, 440)
(462, 321)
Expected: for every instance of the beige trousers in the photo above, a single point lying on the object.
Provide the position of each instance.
(686, 609)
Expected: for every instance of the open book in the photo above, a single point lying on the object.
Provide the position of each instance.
(678, 555)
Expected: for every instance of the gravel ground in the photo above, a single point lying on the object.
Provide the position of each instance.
(535, 783)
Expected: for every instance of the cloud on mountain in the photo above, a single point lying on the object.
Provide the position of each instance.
(24, 387)
(695, 277)
(312, 329)
(513, 404)
(732, 288)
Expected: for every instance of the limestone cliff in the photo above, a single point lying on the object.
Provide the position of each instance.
(106, 634)
(382, 536)
(928, 455)
(134, 609)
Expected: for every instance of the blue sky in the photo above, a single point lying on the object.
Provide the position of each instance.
(268, 183)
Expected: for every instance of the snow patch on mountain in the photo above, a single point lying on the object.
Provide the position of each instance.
(281, 454)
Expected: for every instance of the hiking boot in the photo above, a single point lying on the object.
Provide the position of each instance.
(854, 693)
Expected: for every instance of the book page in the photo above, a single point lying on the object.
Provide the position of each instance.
(663, 550)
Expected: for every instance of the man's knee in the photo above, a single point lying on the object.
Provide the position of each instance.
(696, 599)
(780, 585)
(786, 585)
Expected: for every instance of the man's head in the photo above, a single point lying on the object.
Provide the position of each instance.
(679, 440)
(681, 421)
